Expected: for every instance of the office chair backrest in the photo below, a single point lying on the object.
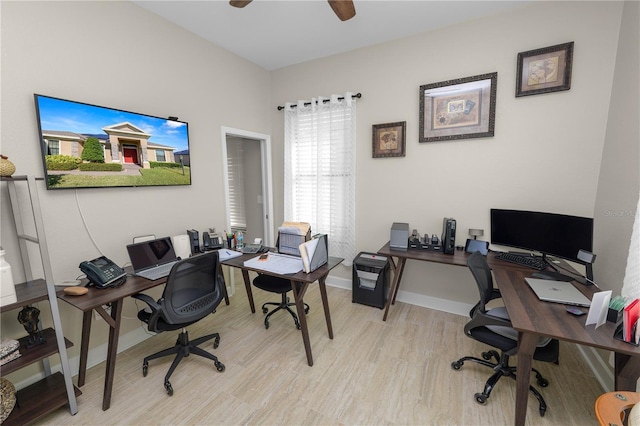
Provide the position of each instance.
(193, 290)
(482, 274)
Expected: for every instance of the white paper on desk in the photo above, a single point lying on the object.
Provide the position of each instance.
(277, 263)
(598, 309)
(224, 254)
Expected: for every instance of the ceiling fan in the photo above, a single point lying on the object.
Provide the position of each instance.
(344, 9)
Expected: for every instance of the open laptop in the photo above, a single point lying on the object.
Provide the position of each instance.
(557, 292)
(152, 259)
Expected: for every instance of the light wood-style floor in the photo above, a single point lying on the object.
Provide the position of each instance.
(396, 372)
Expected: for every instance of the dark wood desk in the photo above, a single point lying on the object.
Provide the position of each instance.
(299, 285)
(94, 299)
(532, 318)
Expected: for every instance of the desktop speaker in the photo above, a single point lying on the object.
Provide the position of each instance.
(181, 246)
(194, 240)
(449, 235)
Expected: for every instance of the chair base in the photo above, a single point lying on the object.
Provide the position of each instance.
(286, 305)
(502, 369)
(184, 348)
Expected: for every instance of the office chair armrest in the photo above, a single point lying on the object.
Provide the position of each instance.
(481, 319)
(148, 300)
(495, 294)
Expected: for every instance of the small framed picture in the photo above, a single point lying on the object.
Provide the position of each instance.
(544, 70)
(389, 139)
(463, 108)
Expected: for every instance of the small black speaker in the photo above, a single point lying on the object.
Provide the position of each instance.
(194, 239)
(449, 235)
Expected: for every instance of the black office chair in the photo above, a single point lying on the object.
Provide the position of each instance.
(281, 286)
(192, 292)
(493, 328)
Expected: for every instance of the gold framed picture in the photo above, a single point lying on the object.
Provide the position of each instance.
(458, 109)
(544, 70)
(389, 139)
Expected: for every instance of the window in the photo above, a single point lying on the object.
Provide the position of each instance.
(235, 160)
(53, 146)
(320, 169)
(160, 155)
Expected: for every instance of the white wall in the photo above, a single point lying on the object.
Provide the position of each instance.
(116, 54)
(546, 151)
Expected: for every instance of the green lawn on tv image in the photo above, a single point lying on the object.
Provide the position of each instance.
(160, 176)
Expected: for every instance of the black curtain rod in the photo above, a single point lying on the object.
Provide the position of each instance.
(357, 95)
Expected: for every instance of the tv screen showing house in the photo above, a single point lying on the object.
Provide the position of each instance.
(89, 146)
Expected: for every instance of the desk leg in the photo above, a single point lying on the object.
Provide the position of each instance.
(627, 371)
(397, 275)
(112, 351)
(84, 346)
(325, 304)
(247, 286)
(526, 348)
(299, 289)
(224, 287)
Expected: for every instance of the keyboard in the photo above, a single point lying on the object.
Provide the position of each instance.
(156, 272)
(524, 260)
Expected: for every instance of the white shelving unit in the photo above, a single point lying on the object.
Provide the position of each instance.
(55, 390)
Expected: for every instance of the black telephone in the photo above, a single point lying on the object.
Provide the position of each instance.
(103, 273)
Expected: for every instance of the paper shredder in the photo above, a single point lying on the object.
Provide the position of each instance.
(370, 279)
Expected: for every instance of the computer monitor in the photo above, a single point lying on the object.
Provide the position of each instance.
(551, 234)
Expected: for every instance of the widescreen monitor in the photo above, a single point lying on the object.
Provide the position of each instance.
(551, 234)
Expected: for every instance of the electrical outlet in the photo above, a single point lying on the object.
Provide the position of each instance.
(107, 308)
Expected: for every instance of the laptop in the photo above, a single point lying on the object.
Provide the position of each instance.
(557, 292)
(152, 259)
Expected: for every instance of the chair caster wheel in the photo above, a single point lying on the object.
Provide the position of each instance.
(542, 411)
(542, 382)
(145, 369)
(486, 356)
(456, 365)
(481, 398)
(265, 310)
(306, 310)
(220, 367)
(168, 388)
(216, 343)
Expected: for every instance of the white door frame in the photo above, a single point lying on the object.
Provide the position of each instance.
(267, 181)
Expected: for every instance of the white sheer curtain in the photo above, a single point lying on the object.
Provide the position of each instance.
(631, 283)
(319, 177)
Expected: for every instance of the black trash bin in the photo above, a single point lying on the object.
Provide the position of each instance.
(370, 279)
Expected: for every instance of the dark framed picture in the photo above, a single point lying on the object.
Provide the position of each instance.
(544, 70)
(389, 139)
(463, 108)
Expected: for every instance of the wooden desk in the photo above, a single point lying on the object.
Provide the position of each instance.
(94, 299)
(299, 285)
(532, 319)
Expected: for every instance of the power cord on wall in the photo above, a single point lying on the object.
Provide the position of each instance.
(86, 227)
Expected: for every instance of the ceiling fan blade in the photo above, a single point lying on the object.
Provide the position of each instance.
(344, 9)
(239, 3)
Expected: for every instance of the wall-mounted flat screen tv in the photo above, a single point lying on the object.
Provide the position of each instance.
(89, 146)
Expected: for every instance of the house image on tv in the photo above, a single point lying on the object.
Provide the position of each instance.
(122, 143)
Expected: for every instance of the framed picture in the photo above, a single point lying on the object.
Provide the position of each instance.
(544, 70)
(389, 139)
(463, 108)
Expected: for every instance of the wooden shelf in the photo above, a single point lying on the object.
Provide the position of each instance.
(39, 399)
(28, 293)
(36, 353)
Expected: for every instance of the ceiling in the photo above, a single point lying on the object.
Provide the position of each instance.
(276, 34)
